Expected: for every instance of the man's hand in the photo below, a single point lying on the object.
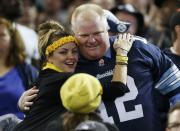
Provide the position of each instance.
(25, 101)
(123, 44)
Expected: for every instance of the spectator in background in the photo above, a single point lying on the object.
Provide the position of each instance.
(92, 126)
(15, 74)
(156, 16)
(54, 10)
(173, 122)
(81, 95)
(12, 10)
(105, 4)
(159, 30)
(129, 13)
(146, 7)
(174, 51)
(30, 14)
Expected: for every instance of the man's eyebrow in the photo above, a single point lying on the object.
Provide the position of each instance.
(84, 34)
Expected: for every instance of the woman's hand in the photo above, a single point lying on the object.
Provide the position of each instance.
(123, 44)
(26, 99)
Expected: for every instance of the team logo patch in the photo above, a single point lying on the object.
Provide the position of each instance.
(101, 62)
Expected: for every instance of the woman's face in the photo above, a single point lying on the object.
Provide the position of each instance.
(65, 57)
(5, 41)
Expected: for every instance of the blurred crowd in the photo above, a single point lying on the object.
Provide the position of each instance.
(20, 60)
(148, 18)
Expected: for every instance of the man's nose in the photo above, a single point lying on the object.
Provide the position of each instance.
(91, 38)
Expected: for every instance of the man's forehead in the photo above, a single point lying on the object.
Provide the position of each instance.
(89, 29)
(89, 26)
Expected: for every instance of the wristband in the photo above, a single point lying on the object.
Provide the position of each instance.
(121, 63)
(122, 59)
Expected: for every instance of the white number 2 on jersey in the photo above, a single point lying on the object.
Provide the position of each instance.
(123, 114)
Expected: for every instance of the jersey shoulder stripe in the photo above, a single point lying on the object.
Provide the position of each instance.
(169, 81)
(138, 38)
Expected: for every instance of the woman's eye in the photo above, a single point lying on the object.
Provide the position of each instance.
(62, 52)
(75, 51)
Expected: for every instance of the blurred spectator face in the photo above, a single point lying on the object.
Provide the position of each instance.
(130, 14)
(11, 9)
(30, 14)
(5, 40)
(139, 4)
(106, 4)
(52, 6)
(124, 16)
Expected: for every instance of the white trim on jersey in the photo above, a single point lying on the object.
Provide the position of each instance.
(169, 81)
(140, 39)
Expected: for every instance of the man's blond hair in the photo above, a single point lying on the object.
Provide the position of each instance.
(86, 12)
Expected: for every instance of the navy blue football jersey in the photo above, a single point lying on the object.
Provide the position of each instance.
(152, 80)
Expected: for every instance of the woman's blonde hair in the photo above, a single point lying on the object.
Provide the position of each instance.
(49, 32)
(17, 53)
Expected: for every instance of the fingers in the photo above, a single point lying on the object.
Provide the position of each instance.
(27, 106)
(126, 37)
(32, 91)
(131, 39)
(123, 43)
(30, 97)
(25, 101)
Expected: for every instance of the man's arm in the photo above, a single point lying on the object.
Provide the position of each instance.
(118, 87)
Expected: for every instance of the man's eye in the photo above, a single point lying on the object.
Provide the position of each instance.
(98, 33)
(84, 36)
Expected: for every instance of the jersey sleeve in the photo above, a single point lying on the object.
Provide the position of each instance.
(166, 74)
(169, 76)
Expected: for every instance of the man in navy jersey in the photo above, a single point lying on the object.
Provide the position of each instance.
(153, 80)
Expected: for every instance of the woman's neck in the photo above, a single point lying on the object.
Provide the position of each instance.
(3, 68)
(176, 47)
